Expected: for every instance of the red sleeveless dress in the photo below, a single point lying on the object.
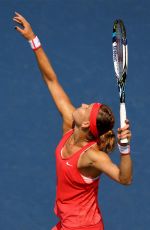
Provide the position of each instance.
(76, 201)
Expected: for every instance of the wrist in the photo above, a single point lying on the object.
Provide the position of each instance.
(124, 149)
(35, 43)
(31, 36)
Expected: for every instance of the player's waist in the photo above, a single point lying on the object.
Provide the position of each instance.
(98, 226)
(78, 215)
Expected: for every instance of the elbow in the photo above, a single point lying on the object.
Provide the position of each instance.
(126, 181)
(49, 77)
(46, 78)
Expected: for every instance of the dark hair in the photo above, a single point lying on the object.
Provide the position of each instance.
(105, 123)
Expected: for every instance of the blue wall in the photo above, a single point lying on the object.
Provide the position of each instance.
(76, 35)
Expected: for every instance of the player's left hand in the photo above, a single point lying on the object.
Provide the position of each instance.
(26, 30)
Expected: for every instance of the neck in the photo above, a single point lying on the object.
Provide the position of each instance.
(79, 137)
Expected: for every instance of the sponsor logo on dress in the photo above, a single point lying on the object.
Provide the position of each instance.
(67, 163)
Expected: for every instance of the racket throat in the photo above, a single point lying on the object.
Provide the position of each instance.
(122, 97)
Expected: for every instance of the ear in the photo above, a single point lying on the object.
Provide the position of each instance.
(85, 124)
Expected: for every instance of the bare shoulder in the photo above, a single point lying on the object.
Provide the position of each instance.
(94, 155)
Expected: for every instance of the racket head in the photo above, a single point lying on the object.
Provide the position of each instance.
(120, 49)
(120, 55)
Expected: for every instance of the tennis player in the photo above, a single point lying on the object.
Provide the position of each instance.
(82, 154)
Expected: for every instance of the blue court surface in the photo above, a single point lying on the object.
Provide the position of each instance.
(76, 35)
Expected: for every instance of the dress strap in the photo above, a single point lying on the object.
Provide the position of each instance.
(87, 146)
(66, 136)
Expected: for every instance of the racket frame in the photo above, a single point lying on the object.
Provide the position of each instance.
(120, 71)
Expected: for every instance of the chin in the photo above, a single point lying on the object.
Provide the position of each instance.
(75, 116)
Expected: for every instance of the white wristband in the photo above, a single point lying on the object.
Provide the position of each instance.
(35, 43)
(124, 150)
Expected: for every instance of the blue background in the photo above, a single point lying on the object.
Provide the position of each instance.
(76, 35)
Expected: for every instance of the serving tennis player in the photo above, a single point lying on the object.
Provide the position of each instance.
(82, 154)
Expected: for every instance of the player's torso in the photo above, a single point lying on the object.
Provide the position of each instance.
(84, 164)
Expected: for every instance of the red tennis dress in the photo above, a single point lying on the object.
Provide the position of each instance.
(76, 201)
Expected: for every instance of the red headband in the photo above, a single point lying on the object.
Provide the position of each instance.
(93, 117)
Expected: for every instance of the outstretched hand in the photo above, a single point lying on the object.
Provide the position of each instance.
(25, 30)
(124, 133)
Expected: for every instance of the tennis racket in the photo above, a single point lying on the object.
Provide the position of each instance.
(120, 60)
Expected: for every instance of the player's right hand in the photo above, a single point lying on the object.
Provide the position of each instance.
(25, 30)
(124, 133)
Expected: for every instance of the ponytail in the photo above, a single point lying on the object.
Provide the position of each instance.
(107, 142)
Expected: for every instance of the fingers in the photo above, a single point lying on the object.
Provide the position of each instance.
(127, 126)
(127, 121)
(124, 129)
(20, 18)
(124, 132)
(17, 13)
(19, 29)
(18, 21)
(25, 29)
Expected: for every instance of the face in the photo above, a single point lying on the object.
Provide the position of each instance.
(82, 114)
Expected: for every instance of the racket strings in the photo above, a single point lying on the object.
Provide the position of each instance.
(120, 56)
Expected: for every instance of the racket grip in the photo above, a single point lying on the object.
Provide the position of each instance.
(122, 120)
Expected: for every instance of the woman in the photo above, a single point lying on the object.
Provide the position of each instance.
(82, 154)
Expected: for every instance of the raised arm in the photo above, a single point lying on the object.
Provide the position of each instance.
(61, 99)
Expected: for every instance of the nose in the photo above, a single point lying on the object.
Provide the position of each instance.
(84, 106)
